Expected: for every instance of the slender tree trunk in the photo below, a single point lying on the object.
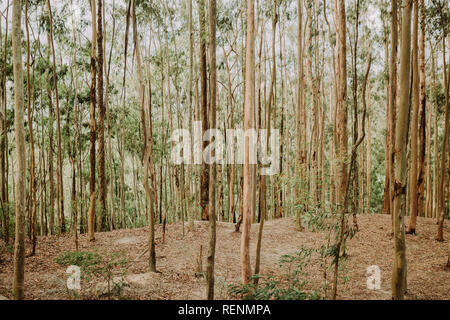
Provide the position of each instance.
(249, 170)
(101, 223)
(392, 104)
(435, 142)
(62, 225)
(414, 122)
(369, 158)
(190, 93)
(271, 100)
(341, 132)
(422, 113)
(386, 209)
(20, 170)
(401, 138)
(204, 109)
(212, 166)
(299, 132)
(355, 117)
(441, 190)
(110, 167)
(92, 137)
(4, 136)
(31, 137)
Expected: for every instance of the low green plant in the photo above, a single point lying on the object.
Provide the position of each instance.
(92, 264)
(115, 266)
(84, 259)
(290, 285)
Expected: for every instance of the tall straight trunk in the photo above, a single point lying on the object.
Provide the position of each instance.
(441, 186)
(392, 103)
(355, 116)
(151, 172)
(42, 180)
(299, 132)
(249, 170)
(30, 129)
(20, 170)
(433, 121)
(231, 168)
(204, 111)
(110, 167)
(282, 116)
(386, 209)
(342, 137)
(121, 141)
(4, 136)
(333, 110)
(102, 223)
(428, 181)
(435, 140)
(401, 139)
(422, 113)
(92, 136)
(414, 122)
(50, 156)
(268, 114)
(80, 176)
(62, 222)
(212, 166)
(190, 93)
(73, 156)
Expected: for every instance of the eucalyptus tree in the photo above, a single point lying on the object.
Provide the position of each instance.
(92, 135)
(20, 170)
(212, 166)
(249, 170)
(401, 137)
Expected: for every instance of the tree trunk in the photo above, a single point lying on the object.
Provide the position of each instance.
(249, 170)
(212, 166)
(414, 122)
(422, 114)
(62, 223)
(392, 103)
(435, 140)
(101, 223)
(4, 138)
(401, 139)
(30, 128)
(341, 131)
(441, 190)
(204, 111)
(20, 170)
(299, 132)
(263, 178)
(92, 137)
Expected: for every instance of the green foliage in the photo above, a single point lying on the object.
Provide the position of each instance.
(290, 285)
(94, 265)
(84, 259)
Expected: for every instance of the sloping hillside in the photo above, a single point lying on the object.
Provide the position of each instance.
(177, 261)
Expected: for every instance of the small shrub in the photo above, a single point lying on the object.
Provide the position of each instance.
(289, 286)
(92, 264)
(84, 259)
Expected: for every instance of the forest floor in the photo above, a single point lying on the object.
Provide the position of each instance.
(177, 261)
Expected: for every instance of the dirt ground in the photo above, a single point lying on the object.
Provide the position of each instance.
(177, 260)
